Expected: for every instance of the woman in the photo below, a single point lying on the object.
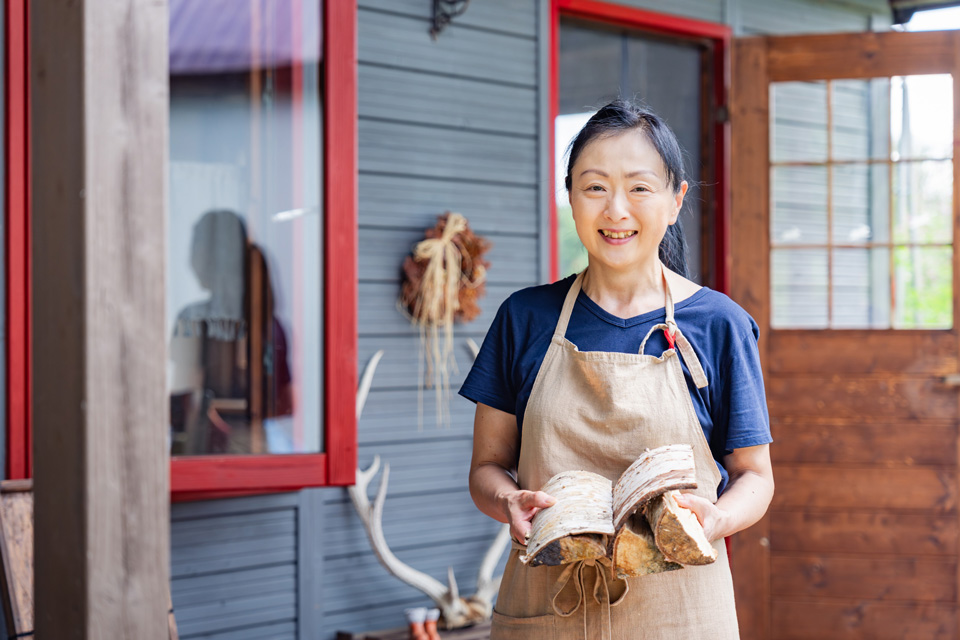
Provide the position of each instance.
(565, 381)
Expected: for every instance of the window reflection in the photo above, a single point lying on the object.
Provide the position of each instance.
(244, 262)
(226, 344)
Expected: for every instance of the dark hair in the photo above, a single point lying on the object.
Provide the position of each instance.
(623, 115)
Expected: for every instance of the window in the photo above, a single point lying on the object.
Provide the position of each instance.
(861, 226)
(675, 66)
(261, 291)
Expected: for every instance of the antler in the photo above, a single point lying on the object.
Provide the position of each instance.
(487, 585)
(456, 611)
(372, 517)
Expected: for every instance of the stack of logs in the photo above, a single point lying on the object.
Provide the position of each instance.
(635, 522)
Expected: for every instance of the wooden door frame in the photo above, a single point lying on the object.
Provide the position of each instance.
(756, 63)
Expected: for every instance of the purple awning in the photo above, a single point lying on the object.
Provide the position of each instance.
(217, 36)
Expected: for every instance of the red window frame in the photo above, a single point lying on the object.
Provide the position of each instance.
(17, 310)
(661, 24)
(198, 477)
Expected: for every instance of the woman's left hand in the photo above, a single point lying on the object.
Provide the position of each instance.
(712, 518)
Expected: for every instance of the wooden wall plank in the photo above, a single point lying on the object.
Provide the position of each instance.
(403, 519)
(889, 397)
(415, 202)
(838, 487)
(870, 578)
(880, 532)
(403, 42)
(397, 373)
(445, 101)
(394, 415)
(506, 16)
(891, 443)
(750, 287)
(378, 312)
(861, 620)
(416, 150)
(830, 56)
(510, 256)
(855, 351)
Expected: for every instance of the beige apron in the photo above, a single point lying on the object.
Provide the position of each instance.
(598, 411)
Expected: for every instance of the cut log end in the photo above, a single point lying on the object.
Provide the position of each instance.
(635, 552)
(678, 533)
(587, 546)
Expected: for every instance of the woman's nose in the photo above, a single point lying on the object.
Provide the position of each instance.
(616, 207)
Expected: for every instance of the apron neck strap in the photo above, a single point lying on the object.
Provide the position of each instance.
(668, 297)
(568, 305)
(571, 300)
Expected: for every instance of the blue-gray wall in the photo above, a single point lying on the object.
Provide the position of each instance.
(452, 124)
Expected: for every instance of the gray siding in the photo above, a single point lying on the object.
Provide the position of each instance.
(450, 124)
(234, 567)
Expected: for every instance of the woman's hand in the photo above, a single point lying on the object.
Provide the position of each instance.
(745, 499)
(520, 506)
(712, 519)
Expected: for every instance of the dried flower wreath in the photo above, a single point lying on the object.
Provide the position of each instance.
(442, 281)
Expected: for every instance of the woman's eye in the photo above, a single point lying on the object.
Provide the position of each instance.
(594, 187)
(640, 189)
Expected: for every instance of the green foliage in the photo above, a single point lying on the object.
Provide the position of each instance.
(573, 257)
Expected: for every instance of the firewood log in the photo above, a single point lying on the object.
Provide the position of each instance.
(677, 531)
(577, 525)
(586, 546)
(635, 551)
(654, 472)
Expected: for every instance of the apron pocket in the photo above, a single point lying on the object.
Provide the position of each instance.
(511, 628)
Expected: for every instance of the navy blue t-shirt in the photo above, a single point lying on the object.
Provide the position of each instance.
(732, 409)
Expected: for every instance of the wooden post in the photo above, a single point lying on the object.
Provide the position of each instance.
(99, 127)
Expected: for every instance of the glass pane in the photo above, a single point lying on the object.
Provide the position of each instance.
(590, 61)
(799, 205)
(923, 288)
(244, 245)
(799, 282)
(861, 116)
(861, 203)
(600, 63)
(861, 289)
(921, 116)
(798, 121)
(923, 202)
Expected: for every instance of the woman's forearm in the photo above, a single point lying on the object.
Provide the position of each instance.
(744, 502)
(489, 484)
(745, 499)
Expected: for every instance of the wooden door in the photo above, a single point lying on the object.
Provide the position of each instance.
(844, 254)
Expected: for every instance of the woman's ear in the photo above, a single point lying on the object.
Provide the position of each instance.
(678, 200)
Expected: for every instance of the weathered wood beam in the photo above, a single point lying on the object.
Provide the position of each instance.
(99, 126)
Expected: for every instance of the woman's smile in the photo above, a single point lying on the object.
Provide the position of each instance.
(622, 201)
(613, 236)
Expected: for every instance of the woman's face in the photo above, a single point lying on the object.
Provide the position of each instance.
(622, 202)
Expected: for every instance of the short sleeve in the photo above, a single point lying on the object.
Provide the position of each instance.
(747, 419)
(490, 380)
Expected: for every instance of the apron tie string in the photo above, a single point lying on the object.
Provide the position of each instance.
(677, 340)
(569, 593)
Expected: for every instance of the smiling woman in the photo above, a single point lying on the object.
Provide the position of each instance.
(586, 395)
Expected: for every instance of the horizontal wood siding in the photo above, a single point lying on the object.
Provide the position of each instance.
(445, 125)
(234, 568)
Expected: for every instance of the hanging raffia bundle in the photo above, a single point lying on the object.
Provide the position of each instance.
(442, 281)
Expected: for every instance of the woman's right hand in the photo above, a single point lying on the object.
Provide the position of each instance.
(520, 506)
